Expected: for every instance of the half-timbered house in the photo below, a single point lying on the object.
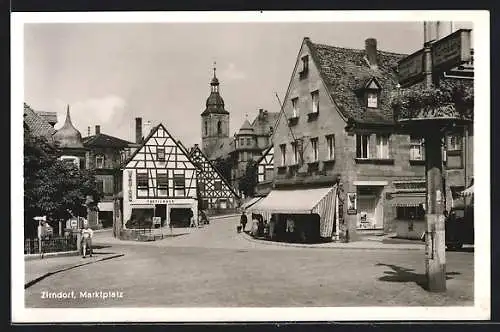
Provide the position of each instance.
(265, 172)
(214, 191)
(159, 182)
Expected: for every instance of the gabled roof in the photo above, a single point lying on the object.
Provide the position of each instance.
(103, 140)
(344, 71)
(262, 126)
(145, 140)
(196, 149)
(223, 149)
(36, 124)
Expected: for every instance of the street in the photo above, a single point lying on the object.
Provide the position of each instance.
(216, 267)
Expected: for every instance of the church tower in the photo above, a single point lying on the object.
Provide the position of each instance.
(214, 121)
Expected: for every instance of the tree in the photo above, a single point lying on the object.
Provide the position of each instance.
(53, 187)
(248, 181)
(224, 166)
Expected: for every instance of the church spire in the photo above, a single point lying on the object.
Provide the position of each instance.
(215, 82)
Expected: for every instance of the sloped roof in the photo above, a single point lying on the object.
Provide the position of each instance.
(344, 71)
(103, 140)
(36, 124)
(223, 149)
(262, 125)
(264, 153)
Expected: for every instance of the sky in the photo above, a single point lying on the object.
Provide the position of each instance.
(111, 73)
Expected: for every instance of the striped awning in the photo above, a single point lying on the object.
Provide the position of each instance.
(408, 200)
(319, 201)
(468, 192)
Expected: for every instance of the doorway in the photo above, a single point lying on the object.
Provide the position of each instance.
(370, 207)
(161, 211)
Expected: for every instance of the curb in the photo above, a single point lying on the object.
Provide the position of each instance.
(29, 257)
(223, 217)
(336, 245)
(45, 275)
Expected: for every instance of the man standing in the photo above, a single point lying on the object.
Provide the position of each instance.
(87, 234)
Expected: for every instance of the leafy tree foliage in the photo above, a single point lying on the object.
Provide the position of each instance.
(248, 181)
(53, 187)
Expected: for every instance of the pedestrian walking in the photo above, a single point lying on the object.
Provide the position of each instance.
(243, 221)
(87, 234)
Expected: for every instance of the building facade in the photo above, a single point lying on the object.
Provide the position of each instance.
(104, 156)
(337, 122)
(159, 183)
(214, 192)
(265, 172)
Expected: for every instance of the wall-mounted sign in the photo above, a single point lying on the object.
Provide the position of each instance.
(411, 68)
(129, 185)
(352, 205)
(452, 50)
(160, 201)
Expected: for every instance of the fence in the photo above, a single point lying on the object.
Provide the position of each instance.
(53, 244)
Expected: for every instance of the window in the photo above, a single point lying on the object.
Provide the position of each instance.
(314, 149)
(160, 153)
(283, 154)
(123, 156)
(240, 155)
(295, 153)
(206, 128)
(179, 184)
(249, 156)
(305, 66)
(142, 180)
(454, 142)
(330, 144)
(242, 142)
(249, 141)
(99, 161)
(295, 107)
(100, 185)
(162, 181)
(218, 185)
(416, 149)
(382, 147)
(201, 186)
(219, 128)
(410, 213)
(372, 101)
(362, 145)
(315, 101)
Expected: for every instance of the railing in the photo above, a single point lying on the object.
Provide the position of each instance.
(52, 244)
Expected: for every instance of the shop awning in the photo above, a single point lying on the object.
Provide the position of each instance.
(408, 200)
(250, 202)
(291, 201)
(468, 192)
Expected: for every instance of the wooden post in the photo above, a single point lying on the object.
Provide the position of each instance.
(435, 260)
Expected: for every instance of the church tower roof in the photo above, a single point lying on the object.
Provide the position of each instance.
(68, 136)
(215, 103)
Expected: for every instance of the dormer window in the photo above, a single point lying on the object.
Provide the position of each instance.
(372, 99)
(305, 67)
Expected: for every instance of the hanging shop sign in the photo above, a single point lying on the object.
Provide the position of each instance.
(452, 50)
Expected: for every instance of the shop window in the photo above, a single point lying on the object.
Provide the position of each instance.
(99, 161)
(160, 153)
(382, 147)
(416, 149)
(179, 184)
(362, 146)
(410, 213)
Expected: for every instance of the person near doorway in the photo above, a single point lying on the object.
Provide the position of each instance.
(243, 221)
(87, 234)
(192, 222)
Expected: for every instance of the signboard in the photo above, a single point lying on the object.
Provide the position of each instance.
(452, 50)
(160, 201)
(352, 203)
(411, 68)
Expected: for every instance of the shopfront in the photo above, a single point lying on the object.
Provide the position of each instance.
(369, 204)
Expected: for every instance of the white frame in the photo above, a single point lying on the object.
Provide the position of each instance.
(360, 136)
(330, 144)
(380, 151)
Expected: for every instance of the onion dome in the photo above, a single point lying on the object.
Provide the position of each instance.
(68, 136)
(215, 103)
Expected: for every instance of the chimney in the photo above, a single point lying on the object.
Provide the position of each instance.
(97, 129)
(138, 130)
(371, 52)
(88, 131)
(261, 111)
